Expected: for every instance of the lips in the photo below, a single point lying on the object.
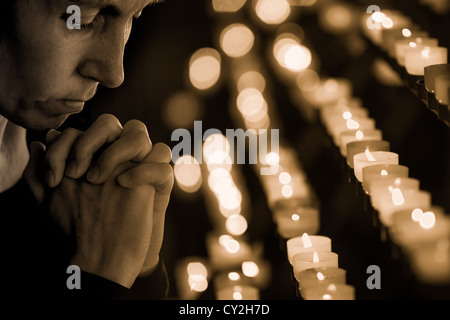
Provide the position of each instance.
(74, 105)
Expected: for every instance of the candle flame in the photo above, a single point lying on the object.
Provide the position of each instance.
(352, 124)
(427, 220)
(320, 276)
(425, 52)
(306, 240)
(295, 217)
(412, 44)
(384, 172)
(417, 214)
(359, 135)
(234, 276)
(397, 197)
(315, 257)
(332, 287)
(406, 32)
(369, 155)
(347, 115)
(326, 296)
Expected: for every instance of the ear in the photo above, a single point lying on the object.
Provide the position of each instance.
(33, 173)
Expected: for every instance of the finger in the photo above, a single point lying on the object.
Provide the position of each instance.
(33, 174)
(51, 136)
(160, 153)
(57, 154)
(133, 145)
(159, 175)
(105, 129)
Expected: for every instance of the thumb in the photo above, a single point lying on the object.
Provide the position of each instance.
(33, 173)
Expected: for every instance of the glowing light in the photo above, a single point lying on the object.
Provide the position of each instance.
(331, 287)
(369, 155)
(352, 124)
(384, 172)
(236, 224)
(315, 257)
(397, 197)
(412, 44)
(326, 296)
(284, 178)
(287, 191)
(273, 11)
(417, 214)
(347, 115)
(428, 220)
(204, 68)
(197, 276)
(236, 40)
(387, 23)
(290, 54)
(233, 276)
(251, 79)
(320, 276)
(295, 217)
(306, 240)
(406, 32)
(272, 159)
(216, 148)
(297, 58)
(425, 52)
(232, 245)
(359, 135)
(237, 295)
(251, 102)
(250, 269)
(227, 5)
(187, 173)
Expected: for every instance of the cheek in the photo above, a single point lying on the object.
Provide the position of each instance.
(47, 59)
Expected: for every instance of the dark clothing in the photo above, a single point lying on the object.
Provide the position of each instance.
(35, 257)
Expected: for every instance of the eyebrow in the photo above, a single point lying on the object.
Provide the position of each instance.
(110, 8)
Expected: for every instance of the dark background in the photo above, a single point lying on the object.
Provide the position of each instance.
(156, 63)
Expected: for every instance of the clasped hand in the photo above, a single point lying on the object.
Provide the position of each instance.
(110, 187)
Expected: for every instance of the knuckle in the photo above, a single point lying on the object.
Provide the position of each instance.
(164, 149)
(110, 121)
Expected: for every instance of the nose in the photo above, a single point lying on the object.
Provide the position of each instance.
(104, 60)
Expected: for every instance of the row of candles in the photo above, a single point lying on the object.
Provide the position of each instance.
(407, 211)
(418, 57)
(421, 229)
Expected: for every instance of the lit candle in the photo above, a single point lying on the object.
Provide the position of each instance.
(430, 263)
(431, 72)
(416, 59)
(379, 172)
(357, 135)
(442, 85)
(385, 187)
(401, 200)
(320, 276)
(391, 36)
(191, 276)
(353, 123)
(369, 158)
(238, 293)
(294, 220)
(307, 243)
(402, 45)
(313, 259)
(329, 91)
(225, 251)
(411, 228)
(330, 292)
(356, 147)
